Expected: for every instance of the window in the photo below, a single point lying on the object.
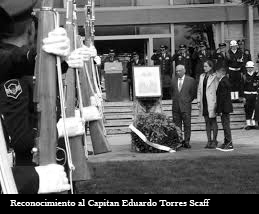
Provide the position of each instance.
(185, 2)
(132, 30)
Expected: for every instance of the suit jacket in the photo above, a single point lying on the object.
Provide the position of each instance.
(224, 104)
(182, 100)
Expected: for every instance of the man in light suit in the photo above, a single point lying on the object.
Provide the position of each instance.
(184, 89)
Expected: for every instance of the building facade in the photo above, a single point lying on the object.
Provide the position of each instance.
(143, 25)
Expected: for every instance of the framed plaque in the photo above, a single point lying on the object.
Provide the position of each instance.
(147, 81)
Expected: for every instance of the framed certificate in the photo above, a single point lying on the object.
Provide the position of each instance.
(147, 81)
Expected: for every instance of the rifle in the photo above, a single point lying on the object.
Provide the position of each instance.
(82, 171)
(45, 88)
(99, 141)
(6, 176)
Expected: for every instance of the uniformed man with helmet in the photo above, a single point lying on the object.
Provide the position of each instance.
(164, 60)
(249, 86)
(182, 57)
(235, 62)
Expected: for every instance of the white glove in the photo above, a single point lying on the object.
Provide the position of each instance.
(57, 42)
(74, 126)
(90, 113)
(80, 55)
(52, 179)
(98, 60)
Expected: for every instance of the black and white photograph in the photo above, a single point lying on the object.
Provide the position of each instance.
(129, 97)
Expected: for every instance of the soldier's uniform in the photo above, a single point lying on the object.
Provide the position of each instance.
(235, 62)
(15, 103)
(164, 60)
(200, 57)
(16, 82)
(220, 57)
(183, 58)
(249, 87)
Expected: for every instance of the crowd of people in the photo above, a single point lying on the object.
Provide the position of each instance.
(226, 78)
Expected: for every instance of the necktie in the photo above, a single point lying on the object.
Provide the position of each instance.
(180, 84)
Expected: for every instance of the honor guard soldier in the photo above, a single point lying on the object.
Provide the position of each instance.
(220, 57)
(111, 56)
(235, 62)
(249, 86)
(17, 59)
(182, 57)
(200, 56)
(164, 60)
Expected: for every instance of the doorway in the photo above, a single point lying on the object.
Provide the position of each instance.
(122, 47)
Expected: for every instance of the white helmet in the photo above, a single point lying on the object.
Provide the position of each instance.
(250, 64)
(233, 43)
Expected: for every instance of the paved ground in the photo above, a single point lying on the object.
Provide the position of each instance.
(245, 143)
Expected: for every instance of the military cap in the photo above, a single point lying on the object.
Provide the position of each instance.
(134, 54)
(240, 42)
(111, 51)
(222, 45)
(162, 46)
(12, 11)
(202, 44)
(182, 46)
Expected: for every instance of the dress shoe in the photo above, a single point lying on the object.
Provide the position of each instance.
(213, 145)
(207, 145)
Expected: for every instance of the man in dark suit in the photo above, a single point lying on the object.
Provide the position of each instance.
(224, 108)
(183, 93)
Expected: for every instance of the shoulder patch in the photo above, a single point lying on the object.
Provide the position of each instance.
(13, 88)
